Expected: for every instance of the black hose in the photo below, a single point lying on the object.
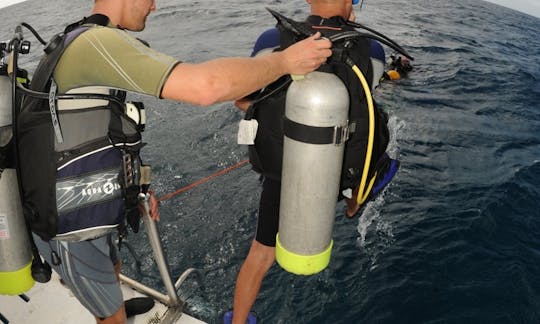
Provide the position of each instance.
(38, 37)
(385, 41)
(358, 25)
(41, 271)
(300, 30)
(15, 42)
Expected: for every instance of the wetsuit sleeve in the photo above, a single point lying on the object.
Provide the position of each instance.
(110, 57)
(267, 41)
(377, 51)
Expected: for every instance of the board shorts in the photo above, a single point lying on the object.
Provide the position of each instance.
(87, 268)
(268, 220)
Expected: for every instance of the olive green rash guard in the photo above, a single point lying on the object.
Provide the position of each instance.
(110, 57)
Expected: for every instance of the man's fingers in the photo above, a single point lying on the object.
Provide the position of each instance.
(317, 35)
(308, 54)
(321, 42)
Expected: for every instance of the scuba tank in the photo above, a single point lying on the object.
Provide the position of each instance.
(315, 128)
(15, 248)
(20, 262)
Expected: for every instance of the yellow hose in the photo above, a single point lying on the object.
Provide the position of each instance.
(363, 192)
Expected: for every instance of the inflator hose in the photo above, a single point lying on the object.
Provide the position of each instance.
(363, 191)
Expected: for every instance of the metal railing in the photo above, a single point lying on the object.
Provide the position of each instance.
(171, 299)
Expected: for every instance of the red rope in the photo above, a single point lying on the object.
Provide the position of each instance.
(201, 181)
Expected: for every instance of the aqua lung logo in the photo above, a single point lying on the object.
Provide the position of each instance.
(90, 189)
(107, 189)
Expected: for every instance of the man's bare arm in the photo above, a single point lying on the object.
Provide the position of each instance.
(227, 79)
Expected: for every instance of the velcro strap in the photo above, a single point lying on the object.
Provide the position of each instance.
(315, 134)
(54, 116)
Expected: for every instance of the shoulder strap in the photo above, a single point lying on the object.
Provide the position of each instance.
(56, 46)
(96, 19)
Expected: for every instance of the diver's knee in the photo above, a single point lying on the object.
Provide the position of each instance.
(262, 254)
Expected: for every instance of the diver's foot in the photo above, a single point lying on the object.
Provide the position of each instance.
(227, 318)
(138, 305)
(386, 170)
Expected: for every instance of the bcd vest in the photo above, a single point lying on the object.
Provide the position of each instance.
(268, 108)
(78, 157)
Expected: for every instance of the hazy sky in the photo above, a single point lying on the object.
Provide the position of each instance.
(531, 7)
(5, 3)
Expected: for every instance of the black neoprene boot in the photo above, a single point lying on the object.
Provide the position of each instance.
(139, 305)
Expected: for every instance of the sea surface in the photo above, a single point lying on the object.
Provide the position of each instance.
(455, 238)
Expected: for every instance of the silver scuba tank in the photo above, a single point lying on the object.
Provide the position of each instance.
(15, 249)
(315, 128)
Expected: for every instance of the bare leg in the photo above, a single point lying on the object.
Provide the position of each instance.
(117, 267)
(352, 206)
(260, 258)
(117, 318)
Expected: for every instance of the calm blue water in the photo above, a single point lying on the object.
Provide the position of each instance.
(454, 239)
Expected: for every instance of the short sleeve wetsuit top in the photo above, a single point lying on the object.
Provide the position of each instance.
(110, 57)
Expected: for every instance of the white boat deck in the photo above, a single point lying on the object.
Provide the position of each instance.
(52, 303)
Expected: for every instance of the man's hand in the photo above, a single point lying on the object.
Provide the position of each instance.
(306, 55)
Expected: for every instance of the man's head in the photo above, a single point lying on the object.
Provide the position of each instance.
(128, 14)
(330, 8)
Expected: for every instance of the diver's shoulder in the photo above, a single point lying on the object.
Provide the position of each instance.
(104, 33)
(266, 42)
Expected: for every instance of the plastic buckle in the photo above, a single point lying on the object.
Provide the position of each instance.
(341, 134)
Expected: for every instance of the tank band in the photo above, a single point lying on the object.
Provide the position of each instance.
(315, 134)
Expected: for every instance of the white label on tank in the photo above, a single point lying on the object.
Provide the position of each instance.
(247, 131)
(4, 230)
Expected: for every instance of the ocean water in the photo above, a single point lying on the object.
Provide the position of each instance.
(454, 239)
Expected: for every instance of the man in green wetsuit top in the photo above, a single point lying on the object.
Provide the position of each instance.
(101, 55)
